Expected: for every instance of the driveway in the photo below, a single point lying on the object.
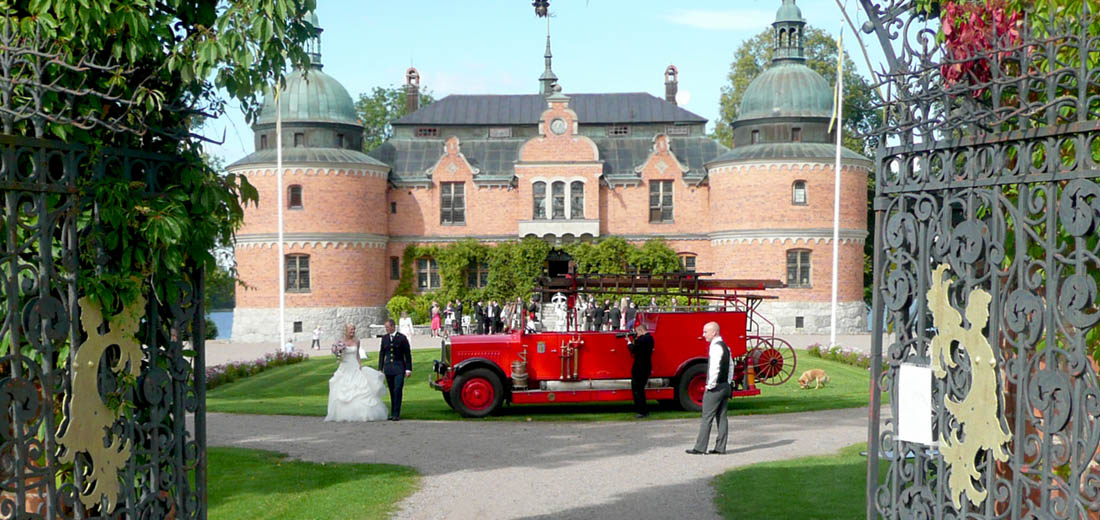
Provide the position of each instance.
(512, 470)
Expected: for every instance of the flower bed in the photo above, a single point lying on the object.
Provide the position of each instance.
(218, 375)
(848, 356)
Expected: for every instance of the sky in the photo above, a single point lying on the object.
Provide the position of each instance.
(497, 46)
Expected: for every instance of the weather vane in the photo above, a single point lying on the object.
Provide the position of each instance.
(542, 7)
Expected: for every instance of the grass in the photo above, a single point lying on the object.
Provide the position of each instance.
(253, 484)
(831, 487)
(302, 389)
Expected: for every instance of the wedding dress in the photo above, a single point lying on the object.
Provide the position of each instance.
(354, 392)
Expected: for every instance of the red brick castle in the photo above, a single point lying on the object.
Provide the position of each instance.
(561, 167)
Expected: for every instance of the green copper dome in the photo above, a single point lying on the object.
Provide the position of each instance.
(788, 12)
(315, 97)
(787, 89)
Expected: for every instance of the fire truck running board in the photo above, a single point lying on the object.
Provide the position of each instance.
(598, 384)
(580, 396)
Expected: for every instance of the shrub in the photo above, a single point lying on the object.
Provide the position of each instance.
(221, 374)
(839, 354)
(399, 304)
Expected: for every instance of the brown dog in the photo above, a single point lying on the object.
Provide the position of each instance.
(817, 375)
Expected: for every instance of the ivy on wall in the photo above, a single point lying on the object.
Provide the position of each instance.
(514, 269)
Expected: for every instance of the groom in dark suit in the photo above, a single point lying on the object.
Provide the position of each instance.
(395, 361)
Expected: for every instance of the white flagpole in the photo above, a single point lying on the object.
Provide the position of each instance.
(839, 102)
(279, 203)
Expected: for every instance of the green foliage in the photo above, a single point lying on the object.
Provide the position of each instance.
(218, 375)
(381, 107)
(221, 288)
(753, 57)
(253, 485)
(211, 328)
(397, 305)
(514, 268)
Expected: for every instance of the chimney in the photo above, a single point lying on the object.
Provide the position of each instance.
(412, 90)
(671, 84)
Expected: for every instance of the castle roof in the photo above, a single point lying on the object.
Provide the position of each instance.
(525, 109)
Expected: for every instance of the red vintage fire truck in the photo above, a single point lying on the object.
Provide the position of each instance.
(478, 374)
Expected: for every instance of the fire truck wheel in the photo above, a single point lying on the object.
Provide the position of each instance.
(477, 393)
(692, 384)
(447, 399)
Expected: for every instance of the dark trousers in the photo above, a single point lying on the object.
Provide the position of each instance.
(714, 410)
(638, 381)
(396, 384)
(316, 343)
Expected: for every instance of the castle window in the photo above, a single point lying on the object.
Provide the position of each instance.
(393, 208)
(755, 136)
(340, 141)
(427, 131)
(576, 199)
(299, 139)
(395, 268)
(538, 212)
(427, 274)
(263, 142)
(796, 135)
(687, 262)
(557, 200)
(297, 273)
(477, 275)
(798, 193)
(294, 197)
(798, 268)
(452, 203)
(500, 132)
(660, 201)
(618, 131)
(678, 130)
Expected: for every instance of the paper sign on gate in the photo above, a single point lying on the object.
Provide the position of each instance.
(915, 404)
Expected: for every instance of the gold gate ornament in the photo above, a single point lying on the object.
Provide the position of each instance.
(89, 421)
(978, 413)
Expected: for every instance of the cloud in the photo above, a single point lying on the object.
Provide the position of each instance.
(727, 20)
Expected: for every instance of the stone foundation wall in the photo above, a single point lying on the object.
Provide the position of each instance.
(255, 325)
(851, 317)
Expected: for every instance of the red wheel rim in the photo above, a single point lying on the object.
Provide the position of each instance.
(769, 363)
(477, 394)
(696, 388)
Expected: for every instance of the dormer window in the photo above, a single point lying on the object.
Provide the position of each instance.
(340, 143)
(500, 132)
(299, 139)
(263, 142)
(796, 135)
(618, 131)
(755, 136)
(427, 131)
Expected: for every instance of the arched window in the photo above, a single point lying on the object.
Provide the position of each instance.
(297, 273)
(539, 200)
(294, 196)
(798, 193)
(576, 200)
(557, 200)
(263, 142)
(798, 268)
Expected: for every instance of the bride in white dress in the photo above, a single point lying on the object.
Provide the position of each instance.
(355, 392)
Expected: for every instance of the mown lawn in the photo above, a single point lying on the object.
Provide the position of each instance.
(251, 484)
(830, 487)
(302, 389)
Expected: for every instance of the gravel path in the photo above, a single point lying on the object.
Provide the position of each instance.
(506, 470)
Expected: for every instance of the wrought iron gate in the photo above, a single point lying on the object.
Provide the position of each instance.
(121, 448)
(986, 202)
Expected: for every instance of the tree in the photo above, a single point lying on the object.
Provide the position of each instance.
(754, 56)
(379, 108)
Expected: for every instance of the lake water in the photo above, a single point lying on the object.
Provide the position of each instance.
(224, 321)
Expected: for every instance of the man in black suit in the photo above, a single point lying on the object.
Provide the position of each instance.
(641, 347)
(479, 318)
(395, 361)
(494, 318)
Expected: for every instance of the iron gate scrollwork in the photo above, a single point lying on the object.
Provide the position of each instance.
(157, 438)
(986, 175)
